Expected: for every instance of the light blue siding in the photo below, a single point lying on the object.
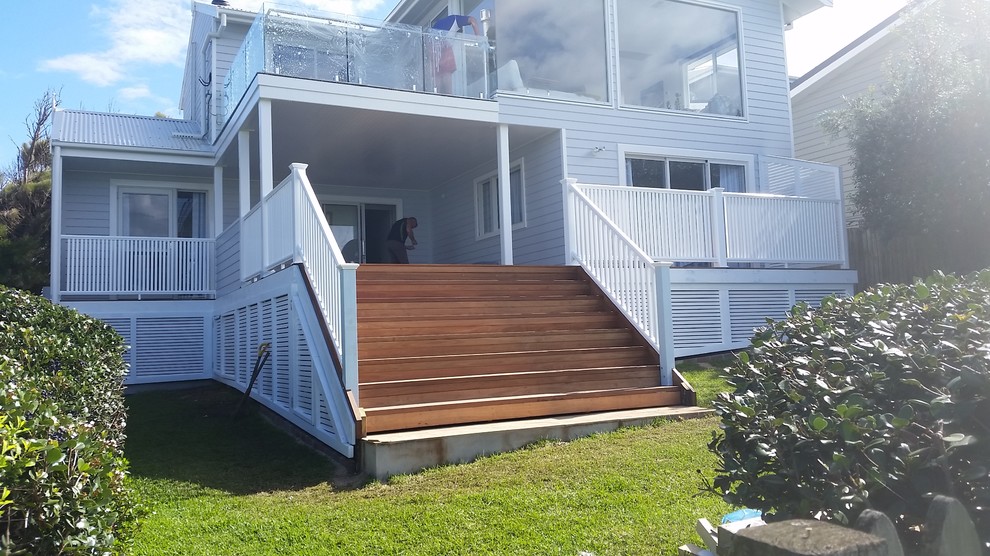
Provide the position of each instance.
(85, 204)
(228, 253)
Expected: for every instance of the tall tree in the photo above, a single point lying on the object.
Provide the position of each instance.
(25, 204)
(921, 142)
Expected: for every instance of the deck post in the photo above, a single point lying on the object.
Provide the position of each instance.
(718, 227)
(265, 146)
(244, 171)
(349, 332)
(55, 279)
(504, 193)
(665, 323)
(568, 185)
(217, 201)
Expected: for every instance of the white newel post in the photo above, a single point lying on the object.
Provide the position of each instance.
(298, 170)
(568, 186)
(665, 323)
(720, 244)
(349, 326)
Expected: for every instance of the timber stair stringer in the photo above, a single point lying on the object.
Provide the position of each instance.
(456, 344)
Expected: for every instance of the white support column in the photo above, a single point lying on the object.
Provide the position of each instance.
(718, 227)
(217, 201)
(665, 323)
(244, 171)
(265, 142)
(504, 193)
(55, 279)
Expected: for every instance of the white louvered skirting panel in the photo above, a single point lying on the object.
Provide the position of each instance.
(697, 318)
(281, 355)
(170, 347)
(814, 297)
(749, 309)
(125, 327)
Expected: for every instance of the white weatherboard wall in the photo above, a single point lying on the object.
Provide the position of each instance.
(718, 309)
(541, 241)
(298, 382)
(765, 130)
(169, 340)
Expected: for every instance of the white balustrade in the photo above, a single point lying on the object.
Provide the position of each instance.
(252, 238)
(102, 265)
(630, 276)
(792, 230)
(279, 208)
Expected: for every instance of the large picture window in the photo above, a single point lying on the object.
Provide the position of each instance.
(552, 49)
(146, 212)
(679, 56)
(488, 206)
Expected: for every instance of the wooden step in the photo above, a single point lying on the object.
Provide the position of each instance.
(467, 272)
(410, 368)
(398, 289)
(465, 324)
(413, 416)
(477, 307)
(459, 344)
(378, 394)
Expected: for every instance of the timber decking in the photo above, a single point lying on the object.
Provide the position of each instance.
(455, 344)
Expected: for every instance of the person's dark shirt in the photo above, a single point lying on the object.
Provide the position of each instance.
(399, 231)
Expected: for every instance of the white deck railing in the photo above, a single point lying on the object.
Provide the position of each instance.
(637, 284)
(721, 228)
(288, 226)
(102, 265)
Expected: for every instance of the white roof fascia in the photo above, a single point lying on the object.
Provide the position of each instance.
(839, 62)
(81, 150)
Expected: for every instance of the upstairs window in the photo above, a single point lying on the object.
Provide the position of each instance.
(488, 206)
(679, 56)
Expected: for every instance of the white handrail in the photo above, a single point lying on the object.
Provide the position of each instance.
(632, 279)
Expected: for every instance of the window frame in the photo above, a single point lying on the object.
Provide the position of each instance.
(118, 188)
(479, 231)
(748, 162)
(617, 74)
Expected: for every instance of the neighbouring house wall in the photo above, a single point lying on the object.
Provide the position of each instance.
(540, 242)
(832, 92)
(413, 203)
(766, 129)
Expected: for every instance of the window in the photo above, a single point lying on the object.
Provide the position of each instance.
(685, 174)
(487, 201)
(552, 49)
(679, 56)
(145, 212)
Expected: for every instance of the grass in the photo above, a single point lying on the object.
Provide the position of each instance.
(217, 485)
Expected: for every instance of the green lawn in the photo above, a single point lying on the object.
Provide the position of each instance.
(217, 485)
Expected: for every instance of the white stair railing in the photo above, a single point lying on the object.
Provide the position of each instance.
(298, 233)
(637, 284)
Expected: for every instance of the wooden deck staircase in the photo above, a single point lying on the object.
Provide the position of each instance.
(456, 344)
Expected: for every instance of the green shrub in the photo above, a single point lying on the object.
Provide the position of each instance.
(877, 401)
(62, 421)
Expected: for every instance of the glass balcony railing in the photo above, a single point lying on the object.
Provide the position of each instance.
(307, 45)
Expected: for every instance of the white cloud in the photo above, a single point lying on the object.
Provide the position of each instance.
(92, 68)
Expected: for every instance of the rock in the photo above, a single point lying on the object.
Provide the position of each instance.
(949, 531)
(801, 537)
(878, 524)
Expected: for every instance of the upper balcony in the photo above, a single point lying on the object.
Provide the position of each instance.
(393, 56)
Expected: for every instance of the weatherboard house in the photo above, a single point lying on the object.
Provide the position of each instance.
(600, 185)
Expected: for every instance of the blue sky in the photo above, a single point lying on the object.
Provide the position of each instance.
(127, 55)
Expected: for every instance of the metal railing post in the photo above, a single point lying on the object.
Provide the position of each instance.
(665, 323)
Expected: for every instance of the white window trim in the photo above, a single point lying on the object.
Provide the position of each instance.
(617, 74)
(171, 188)
(519, 164)
(688, 155)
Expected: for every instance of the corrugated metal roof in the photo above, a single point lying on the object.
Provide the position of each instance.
(122, 130)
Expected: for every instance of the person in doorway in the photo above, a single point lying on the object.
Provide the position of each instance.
(444, 63)
(396, 240)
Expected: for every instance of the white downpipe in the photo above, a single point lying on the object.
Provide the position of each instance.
(55, 278)
(504, 193)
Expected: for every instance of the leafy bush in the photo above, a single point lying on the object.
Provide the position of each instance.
(62, 421)
(877, 401)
